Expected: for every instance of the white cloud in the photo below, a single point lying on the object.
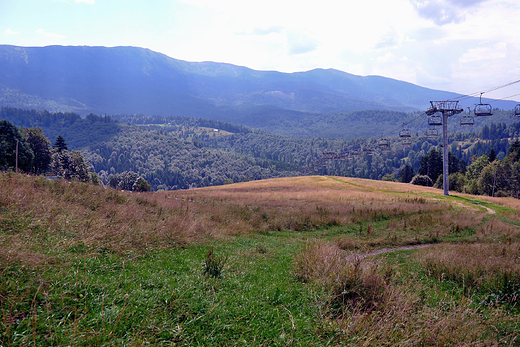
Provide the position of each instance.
(440, 11)
(496, 51)
(300, 43)
(50, 35)
(386, 58)
(11, 32)
(91, 2)
(446, 11)
(274, 29)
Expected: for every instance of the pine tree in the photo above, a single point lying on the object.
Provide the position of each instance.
(406, 174)
(60, 145)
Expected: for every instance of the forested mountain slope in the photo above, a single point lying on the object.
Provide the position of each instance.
(129, 80)
(184, 152)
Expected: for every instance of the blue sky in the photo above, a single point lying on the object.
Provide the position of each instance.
(464, 46)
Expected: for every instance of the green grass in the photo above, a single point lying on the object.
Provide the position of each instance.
(83, 266)
(164, 296)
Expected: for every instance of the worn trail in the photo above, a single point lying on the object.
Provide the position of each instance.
(360, 256)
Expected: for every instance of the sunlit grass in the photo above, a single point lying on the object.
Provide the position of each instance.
(84, 265)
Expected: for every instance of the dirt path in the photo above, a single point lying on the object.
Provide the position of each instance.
(490, 210)
(361, 256)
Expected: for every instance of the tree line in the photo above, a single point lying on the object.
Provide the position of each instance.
(180, 152)
(29, 150)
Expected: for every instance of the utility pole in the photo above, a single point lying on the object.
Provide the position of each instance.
(447, 109)
(16, 164)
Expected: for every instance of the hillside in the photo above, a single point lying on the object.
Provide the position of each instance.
(186, 152)
(309, 260)
(129, 80)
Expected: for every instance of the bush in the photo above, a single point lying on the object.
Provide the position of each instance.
(389, 177)
(352, 286)
(213, 265)
(422, 180)
(128, 180)
(141, 185)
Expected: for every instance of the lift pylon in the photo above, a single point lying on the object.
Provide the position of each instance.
(447, 108)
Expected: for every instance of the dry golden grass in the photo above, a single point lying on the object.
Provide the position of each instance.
(45, 217)
(303, 203)
(44, 222)
(365, 301)
(487, 265)
(63, 215)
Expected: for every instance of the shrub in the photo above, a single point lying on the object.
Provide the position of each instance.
(213, 265)
(422, 180)
(351, 285)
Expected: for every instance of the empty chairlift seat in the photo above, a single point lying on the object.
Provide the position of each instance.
(435, 120)
(355, 153)
(466, 120)
(368, 150)
(517, 110)
(405, 133)
(483, 110)
(329, 154)
(384, 144)
(432, 132)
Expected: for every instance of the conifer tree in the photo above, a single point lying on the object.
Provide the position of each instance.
(60, 145)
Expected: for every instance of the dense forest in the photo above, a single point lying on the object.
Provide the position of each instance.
(186, 152)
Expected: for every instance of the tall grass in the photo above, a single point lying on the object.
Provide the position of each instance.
(84, 265)
(369, 303)
(491, 268)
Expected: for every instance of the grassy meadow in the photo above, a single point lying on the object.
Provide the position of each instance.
(303, 261)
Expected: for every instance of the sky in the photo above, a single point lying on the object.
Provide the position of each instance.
(462, 46)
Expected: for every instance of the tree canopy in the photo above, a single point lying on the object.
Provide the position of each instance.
(9, 136)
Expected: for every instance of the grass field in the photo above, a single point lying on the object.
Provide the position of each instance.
(305, 261)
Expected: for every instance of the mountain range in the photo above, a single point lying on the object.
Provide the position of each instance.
(131, 80)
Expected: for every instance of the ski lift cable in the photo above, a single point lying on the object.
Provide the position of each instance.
(463, 97)
(394, 130)
(506, 97)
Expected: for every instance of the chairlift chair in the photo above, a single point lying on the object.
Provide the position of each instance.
(368, 150)
(432, 132)
(466, 120)
(355, 153)
(435, 120)
(329, 154)
(406, 141)
(405, 132)
(483, 110)
(517, 110)
(383, 142)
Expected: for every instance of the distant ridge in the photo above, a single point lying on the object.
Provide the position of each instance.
(129, 80)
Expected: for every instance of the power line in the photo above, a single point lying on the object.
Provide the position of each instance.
(464, 97)
(506, 97)
(445, 116)
(404, 123)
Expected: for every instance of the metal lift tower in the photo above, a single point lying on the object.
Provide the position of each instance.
(447, 108)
